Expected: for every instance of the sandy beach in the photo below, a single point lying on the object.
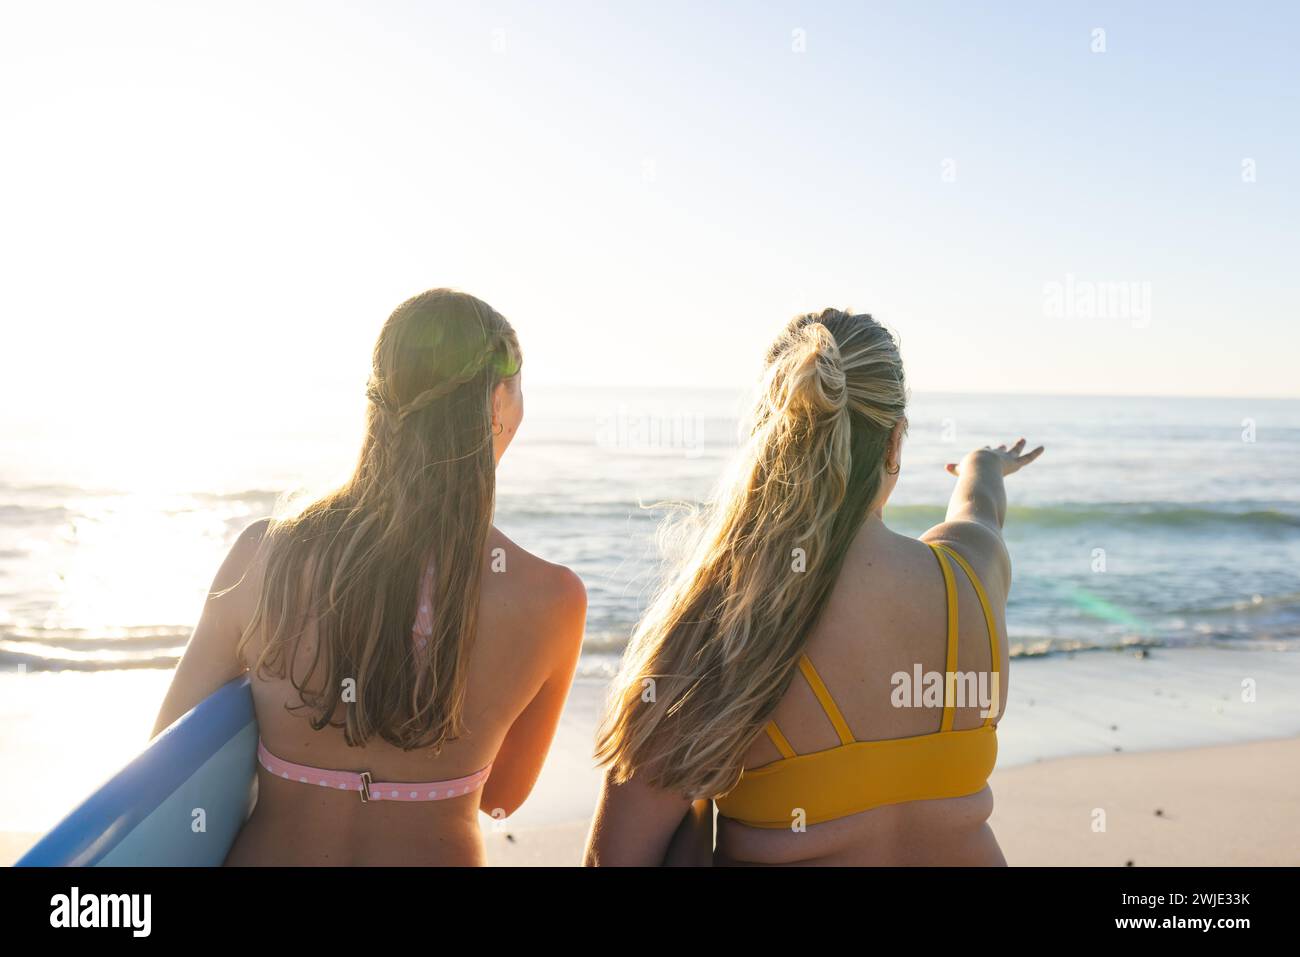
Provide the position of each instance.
(1233, 805)
(1104, 761)
(1184, 771)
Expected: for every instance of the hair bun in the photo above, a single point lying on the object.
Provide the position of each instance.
(814, 375)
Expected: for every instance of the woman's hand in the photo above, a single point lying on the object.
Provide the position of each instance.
(978, 510)
(1008, 459)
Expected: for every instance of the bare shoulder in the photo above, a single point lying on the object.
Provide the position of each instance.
(238, 582)
(544, 592)
(982, 547)
(245, 555)
(250, 540)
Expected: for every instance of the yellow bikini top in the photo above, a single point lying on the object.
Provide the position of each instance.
(857, 776)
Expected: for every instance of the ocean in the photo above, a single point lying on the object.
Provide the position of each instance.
(1148, 522)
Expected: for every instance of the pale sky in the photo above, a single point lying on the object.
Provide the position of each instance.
(206, 209)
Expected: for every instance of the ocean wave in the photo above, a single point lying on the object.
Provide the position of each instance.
(1168, 515)
(1174, 516)
(11, 660)
(248, 495)
(1255, 605)
(134, 640)
(13, 514)
(601, 655)
(47, 490)
(527, 508)
(73, 649)
(1029, 648)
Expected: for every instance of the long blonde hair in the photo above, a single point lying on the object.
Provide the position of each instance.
(717, 649)
(351, 564)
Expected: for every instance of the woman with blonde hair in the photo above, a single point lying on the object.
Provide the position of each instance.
(833, 685)
(409, 662)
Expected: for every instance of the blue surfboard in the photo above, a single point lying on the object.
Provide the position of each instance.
(180, 802)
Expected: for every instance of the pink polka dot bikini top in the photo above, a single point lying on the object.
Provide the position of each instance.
(362, 781)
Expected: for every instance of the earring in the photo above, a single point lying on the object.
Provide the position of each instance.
(498, 428)
(894, 470)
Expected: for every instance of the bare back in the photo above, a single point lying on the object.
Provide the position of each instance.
(531, 615)
(886, 614)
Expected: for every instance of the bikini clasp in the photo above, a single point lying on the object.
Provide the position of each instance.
(365, 787)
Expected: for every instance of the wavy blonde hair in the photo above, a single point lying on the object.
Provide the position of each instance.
(350, 565)
(720, 643)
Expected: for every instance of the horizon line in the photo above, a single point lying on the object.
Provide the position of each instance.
(544, 384)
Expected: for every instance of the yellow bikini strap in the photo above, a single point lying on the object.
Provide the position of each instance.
(779, 740)
(827, 702)
(950, 667)
(991, 624)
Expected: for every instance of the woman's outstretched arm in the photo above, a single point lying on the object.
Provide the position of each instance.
(980, 495)
(978, 508)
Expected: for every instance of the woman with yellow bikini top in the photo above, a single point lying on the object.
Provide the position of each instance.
(833, 685)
